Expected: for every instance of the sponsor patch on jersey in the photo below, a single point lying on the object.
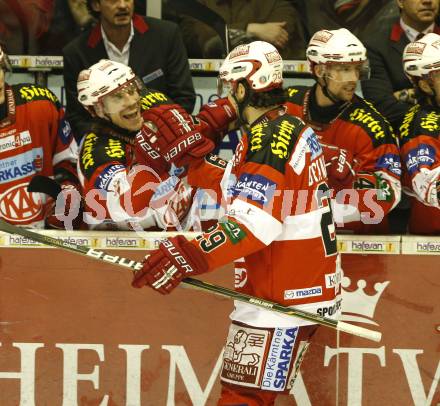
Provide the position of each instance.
(279, 358)
(244, 355)
(105, 177)
(64, 131)
(114, 149)
(20, 166)
(165, 187)
(18, 205)
(424, 155)
(234, 232)
(32, 92)
(312, 141)
(16, 140)
(332, 279)
(329, 311)
(390, 162)
(294, 294)
(368, 122)
(255, 187)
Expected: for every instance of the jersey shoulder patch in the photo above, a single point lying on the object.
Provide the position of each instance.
(296, 94)
(272, 142)
(153, 98)
(363, 114)
(97, 150)
(26, 92)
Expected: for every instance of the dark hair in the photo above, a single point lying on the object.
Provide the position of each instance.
(90, 8)
(273, 97)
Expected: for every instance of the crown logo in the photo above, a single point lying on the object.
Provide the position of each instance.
(357, 305)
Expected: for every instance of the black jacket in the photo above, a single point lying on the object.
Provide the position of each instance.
(384, 50)
(157, 56)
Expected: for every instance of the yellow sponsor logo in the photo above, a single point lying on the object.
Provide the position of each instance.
(280, 145)
(365, 117)
(430, 122)
(292, 92)
(114, 149)
(87, 152)
(30, 92)
(257, 133)
(151, 99)
(407, 120)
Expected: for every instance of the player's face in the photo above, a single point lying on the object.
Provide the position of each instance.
(115, 12)
(435, 84)
(342, 79)
(123, 108)
(419, 11)
(2, 86)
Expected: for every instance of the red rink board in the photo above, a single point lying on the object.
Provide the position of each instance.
(63, 315)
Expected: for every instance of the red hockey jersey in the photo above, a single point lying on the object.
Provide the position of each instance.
(34, 139)
(420, 150)
(278, 225)
(363, 131)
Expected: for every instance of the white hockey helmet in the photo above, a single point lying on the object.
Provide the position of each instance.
(335, 46)
(422, 58)
(102, 79)
(258, 63)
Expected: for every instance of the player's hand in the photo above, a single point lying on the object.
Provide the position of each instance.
(146, 154)
(66, 211)
(165, 268)
(178, 139)
(340, 167)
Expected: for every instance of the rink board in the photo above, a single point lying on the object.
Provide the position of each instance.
(73, 331)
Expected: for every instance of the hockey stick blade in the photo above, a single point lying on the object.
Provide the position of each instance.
(44, 184)
(193, 283)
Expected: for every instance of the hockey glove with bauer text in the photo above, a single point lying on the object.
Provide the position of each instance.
(173, 133)
(340, 165)
(175, 259)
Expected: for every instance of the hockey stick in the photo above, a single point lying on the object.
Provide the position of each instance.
(193, 283)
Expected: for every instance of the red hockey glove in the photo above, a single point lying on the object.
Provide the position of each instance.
(165, 268)
(340, 167)
(147, 155)
(65, 213)
(177, 138)
(215, 117)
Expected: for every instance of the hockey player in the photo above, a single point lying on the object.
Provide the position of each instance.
(361, 154)
(278, 210)
(34, 139)
(126, 184)
(420, 135)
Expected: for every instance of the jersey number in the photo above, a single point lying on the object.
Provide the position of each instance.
(328, 230)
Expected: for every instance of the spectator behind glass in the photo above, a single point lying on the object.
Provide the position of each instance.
(355, 15)
(152, 48)
(420, 135)
(70, 18)
(23, 22)
(273, 21)
(360, 150)
(388, 87)
(36, 140)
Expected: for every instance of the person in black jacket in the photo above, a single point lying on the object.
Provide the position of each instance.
(388, 87)
(152, 48)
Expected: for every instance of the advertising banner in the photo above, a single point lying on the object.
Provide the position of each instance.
(74, 332)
